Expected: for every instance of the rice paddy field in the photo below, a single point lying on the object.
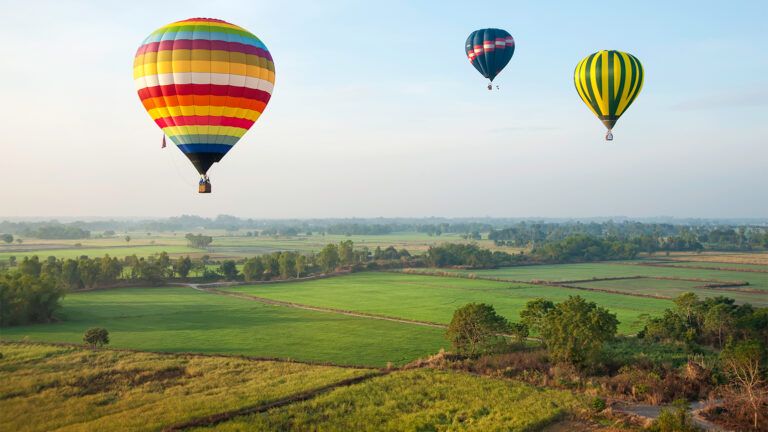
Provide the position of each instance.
(186, 320)
(434, 299)
(419, 400)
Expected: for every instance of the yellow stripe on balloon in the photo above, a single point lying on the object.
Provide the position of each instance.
(579, 78)
(202, 66)
(180, 131)
(203, 110)
(604, 93)
(201, 23)
(618, 71)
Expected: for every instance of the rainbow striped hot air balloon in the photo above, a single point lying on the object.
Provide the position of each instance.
(204, 82)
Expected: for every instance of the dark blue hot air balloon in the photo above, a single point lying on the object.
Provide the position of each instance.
(489, 50)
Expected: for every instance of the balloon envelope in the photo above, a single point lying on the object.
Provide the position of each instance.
(489, 50)
(608, 82)
(204, 82)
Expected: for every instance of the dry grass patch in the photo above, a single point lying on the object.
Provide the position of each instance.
(45, 387)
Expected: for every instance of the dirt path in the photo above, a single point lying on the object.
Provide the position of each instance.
(652, 412)
(214, 419)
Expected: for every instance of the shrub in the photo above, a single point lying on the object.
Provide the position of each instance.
(597, 404)
(96, 336)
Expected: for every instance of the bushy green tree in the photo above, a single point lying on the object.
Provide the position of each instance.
(328, 258)
(575, 330)
(535, 311)
(475, 329)
(228, 269)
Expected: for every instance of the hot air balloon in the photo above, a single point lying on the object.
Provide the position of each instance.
(608, 82)
(204, 82)
(489, 50)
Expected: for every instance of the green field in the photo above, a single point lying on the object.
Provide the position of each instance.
(45, 387)
(419, 400)
(673, 288)
(565, 272)
(430, 298)
(224, 245)
(729, 265)
(92, 252)
(185, 320)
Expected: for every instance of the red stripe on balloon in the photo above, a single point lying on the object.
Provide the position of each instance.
(203, 90)
(204, 121)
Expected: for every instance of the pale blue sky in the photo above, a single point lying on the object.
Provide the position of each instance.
(377, 112)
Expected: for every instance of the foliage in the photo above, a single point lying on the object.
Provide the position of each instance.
(744, 363)
(96, 337)
(534, 313)
(712, 321)
(575, 330)
(468, 255)
(198, 241)
(581, 248)
(475, 329)
(676, 419)
(27, 298)
(228, 269)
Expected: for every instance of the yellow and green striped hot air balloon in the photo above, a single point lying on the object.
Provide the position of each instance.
(608, 82)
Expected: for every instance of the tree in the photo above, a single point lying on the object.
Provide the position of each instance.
(96, 336)
(535, 311)
(742, 363)
(718, 319)
(253, 269)
(183, 266)
(300, 265)
(19, 241)
(575, 330)
(346, 252)
(287, 264)
(7, 238)
(475, 328)
(328, 258)
(127, 239)
(228, 269)
(12, 260)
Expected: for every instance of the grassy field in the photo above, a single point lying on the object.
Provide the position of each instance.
(430, 298)
(45, 387)
(418, 400)
(672, 288)
(185, 320)
(224, 245)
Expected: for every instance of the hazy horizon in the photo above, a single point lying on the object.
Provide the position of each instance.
(376, 112)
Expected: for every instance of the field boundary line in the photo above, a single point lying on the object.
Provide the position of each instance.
(541, 283)
(320, 308)
(703, 267)
(281, 303)
(214, 419)
(189, 354)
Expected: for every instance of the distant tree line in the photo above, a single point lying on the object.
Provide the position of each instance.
(576, 248)
(648, 237)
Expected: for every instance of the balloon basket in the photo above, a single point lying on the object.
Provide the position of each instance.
(609, 136)
(204, 187)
